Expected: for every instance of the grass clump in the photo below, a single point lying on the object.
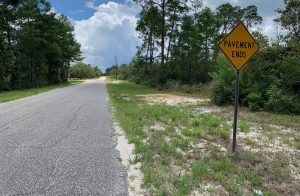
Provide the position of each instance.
(222, 133)
(249, 142)
(279, 169)
(182, 143)
(194, 133)
(297, 142)
(244, 126)
(183, 184)
(200, 169)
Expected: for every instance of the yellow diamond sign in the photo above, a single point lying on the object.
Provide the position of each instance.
(239, 46)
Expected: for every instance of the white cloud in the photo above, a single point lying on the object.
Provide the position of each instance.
(268, 27)
(109, 32)
(91, 5)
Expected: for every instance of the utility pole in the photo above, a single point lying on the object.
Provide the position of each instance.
(116, 67)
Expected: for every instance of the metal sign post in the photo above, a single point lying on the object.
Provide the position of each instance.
(236, 103)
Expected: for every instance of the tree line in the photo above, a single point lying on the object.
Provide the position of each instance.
(179, 47)
(37, 45)
(82, 70)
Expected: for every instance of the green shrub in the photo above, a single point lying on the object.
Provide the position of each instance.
(269, 81)
(279, 101)
(223, 82)
(255, 100)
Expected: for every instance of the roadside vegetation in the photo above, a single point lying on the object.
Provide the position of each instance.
(183, 141)
(6, 96)
(179, 52)
(183, 144)
(81, 70)
(37, 45)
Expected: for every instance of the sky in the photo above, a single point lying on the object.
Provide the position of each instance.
(106, 28)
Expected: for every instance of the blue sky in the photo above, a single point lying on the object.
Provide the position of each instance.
(106, 28)
(77, 9)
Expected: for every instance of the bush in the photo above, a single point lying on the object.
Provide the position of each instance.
(223, 82)
(255, 100)
(280, 102)
(270, 82)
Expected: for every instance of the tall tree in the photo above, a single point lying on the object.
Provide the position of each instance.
(149, 31)
(166, 10)
(8, 15)
(250, 16)
(290, 19)
(36, 45)
(229, 15)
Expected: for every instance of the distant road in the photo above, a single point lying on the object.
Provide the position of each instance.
(59, 143)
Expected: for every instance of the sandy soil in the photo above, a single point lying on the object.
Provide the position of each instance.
(135, 176)
(102, 78)
(170, 99)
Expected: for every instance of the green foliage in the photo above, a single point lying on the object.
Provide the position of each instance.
(82, 71)
(223, 82)
(270, 81)
(189, 54)
(36, 46)
(255, 100)
(279, 101)
(289, 19)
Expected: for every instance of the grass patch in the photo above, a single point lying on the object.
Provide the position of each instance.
(181, 143)
(244, 126)
(181, 131)
(270, 118)
(249, 142)
(279, 169)
(227, 171)
(183, 184)
(268, 131)
(6, 96)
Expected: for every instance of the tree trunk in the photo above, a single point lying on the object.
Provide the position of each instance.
(151, 51)
(170, 38)
(163, 33)
(32, 68)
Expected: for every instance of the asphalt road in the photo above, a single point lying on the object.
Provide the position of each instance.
(60, 143)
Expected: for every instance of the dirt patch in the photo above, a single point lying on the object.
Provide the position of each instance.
(170, 99)
(176, 170)
(158, 127)
(205, 110)
(210, 189)
(116, 81)
(284, 130)
(102, 78)
(125, 97)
